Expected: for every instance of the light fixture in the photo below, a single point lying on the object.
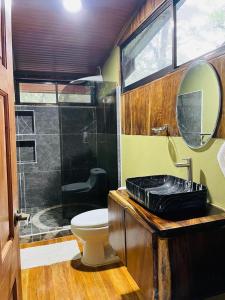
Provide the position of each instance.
(72, 5)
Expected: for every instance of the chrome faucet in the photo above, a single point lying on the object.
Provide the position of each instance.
(188, 165)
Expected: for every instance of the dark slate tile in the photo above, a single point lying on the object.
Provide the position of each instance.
(42, 189)
(26, 151)
(78, 151)
(106, 108)
(77, 119)
(47, 154)
(107, 157)
(25, 122)
(46, 119)
(106, 118)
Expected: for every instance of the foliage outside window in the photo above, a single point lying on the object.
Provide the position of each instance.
(200, 28)
(51, 93)
(154, 49)
(150, 51)
(73, 93)
(37, 93)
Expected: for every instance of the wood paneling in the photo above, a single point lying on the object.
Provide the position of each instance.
(145, 11)
(164, 270)
(140, 257)
(73, 281)
(154, 104)
(47, 38)
(197, 264)
(212, 217)
(117, 229)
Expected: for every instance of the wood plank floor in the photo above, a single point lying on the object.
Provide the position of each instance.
(73, 281)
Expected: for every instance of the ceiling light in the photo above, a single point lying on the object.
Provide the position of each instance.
(72, 5)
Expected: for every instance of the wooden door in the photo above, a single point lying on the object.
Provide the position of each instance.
(9, 241)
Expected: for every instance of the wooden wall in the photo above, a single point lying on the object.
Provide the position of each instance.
(154, 104)
(143, 14)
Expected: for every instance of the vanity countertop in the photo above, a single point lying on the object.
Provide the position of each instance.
(211, 217)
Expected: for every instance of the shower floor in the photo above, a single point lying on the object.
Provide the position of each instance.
(48, 222)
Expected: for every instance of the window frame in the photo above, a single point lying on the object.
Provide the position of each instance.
(58, 103)
(173, 67)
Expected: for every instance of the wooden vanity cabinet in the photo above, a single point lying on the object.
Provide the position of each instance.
(134, 241)
(117, 229)
(169, 260)
(139, 253)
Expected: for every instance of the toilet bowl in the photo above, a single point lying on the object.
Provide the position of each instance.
(91, 228)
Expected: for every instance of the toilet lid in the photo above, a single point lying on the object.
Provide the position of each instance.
(92, 218)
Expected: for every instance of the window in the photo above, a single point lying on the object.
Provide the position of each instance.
(52, 93)
(72, 93)
(176, 33)
(149, 51)
(200, 28)
(37, 93)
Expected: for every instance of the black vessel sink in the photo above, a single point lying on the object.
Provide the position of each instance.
(167, 195)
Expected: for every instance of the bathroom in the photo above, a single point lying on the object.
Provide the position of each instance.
(112, 146)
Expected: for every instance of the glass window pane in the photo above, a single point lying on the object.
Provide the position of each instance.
(37, 93)
(150, 51)
(200, 28)
(72, 93)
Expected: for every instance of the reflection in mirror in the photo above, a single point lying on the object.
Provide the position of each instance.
(198, 104)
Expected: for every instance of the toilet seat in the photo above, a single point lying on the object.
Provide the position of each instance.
(96, 218)
(92, 228)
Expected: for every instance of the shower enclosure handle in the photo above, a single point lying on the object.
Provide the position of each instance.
(20, 216)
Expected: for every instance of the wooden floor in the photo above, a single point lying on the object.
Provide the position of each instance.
(72, 281)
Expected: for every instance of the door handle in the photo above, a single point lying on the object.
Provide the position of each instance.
(20, 216)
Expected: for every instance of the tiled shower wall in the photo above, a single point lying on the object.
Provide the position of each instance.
(78, 142)
(107, 131)
(66, 149)
(40, 182)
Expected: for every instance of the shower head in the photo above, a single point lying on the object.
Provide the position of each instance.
(97, 78)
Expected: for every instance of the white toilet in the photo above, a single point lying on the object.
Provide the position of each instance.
(92, 228)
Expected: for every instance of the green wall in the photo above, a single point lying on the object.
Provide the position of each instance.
(111, 68)
(152, 155)
(146, 155)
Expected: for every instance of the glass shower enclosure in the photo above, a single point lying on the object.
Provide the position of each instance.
(66, 152)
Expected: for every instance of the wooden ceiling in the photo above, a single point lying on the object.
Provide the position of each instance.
(49, 41)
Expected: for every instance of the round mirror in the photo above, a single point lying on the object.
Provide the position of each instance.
(198, 104)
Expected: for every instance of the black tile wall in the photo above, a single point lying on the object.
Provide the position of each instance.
(26, 151)
(75, 119)
(78, 142)
(25, 122)
(46, 118)
(43, 189)
(78, 151)
(107, 131)
(40, 181)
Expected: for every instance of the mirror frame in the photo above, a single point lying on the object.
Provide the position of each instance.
(193, 64)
